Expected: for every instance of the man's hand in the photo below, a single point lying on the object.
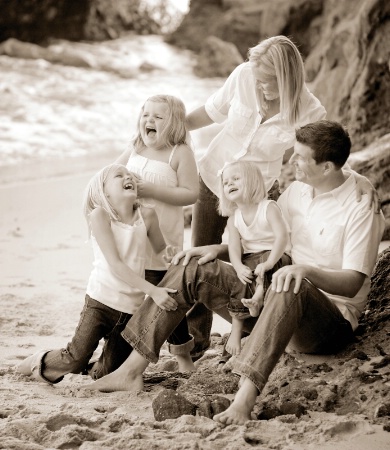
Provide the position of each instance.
(162, 298)
(282, 278)
(207, 253)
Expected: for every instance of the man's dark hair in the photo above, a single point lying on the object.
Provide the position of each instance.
(328, 140)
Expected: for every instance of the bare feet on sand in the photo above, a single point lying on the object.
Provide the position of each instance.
(241, 408)
(113, 383)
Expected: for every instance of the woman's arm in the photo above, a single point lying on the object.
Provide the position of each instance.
(198, 119)
(364, 186)
(187, 191)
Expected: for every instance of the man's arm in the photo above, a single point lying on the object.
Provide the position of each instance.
(344, 282)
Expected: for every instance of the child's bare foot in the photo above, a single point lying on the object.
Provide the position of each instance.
(128, 377)
(240, 410)
(254, 306)
(185, 363)
(233, 344)
(117, 382)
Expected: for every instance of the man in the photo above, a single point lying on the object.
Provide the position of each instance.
(313, 305)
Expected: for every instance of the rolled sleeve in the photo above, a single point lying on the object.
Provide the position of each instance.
(217, 105)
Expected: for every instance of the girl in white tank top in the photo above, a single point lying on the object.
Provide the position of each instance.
(255, 225)
(119, 230)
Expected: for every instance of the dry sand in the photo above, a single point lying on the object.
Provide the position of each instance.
(44, 267)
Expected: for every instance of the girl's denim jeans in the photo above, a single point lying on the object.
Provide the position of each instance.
(96, 321)
(309, 321)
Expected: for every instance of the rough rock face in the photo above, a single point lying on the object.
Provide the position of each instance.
(37, 20)
(350, 67)
(246, 22)
(217, 58)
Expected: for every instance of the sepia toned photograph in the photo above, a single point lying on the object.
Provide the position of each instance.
(195, 224)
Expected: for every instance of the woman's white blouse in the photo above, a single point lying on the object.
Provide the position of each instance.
(243, 135)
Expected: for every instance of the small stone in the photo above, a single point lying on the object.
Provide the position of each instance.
(219, 404)
(359, 354)
(292, 408)
(382, 410)
(170, 405)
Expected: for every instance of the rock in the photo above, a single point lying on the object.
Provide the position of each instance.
(209, 407)
(383, 410)
(170, 405)
(349, 67)
(292, 408)
(209, 382)
(219, 404)
(217, 58)
(268, 413)
(377, 313)
(358, 354)
(38, 20)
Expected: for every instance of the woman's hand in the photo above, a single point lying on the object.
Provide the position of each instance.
(206, 253)
(363, 187)
(162, 298)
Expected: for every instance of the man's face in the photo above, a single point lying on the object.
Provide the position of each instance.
(306, 169)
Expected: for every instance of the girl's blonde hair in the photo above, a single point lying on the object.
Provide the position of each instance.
(94, 195)
(279, 57)
(174, 132)
(254, 189)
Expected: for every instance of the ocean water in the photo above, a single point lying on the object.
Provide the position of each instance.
(57, 118)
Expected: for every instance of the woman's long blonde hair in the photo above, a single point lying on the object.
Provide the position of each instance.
(94, 196)
(175, 131)
(254, 189)
(279, 57)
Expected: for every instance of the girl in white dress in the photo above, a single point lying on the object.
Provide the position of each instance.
(167, 180)
(256, 232)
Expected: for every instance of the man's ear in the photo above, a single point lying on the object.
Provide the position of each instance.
(329, 167)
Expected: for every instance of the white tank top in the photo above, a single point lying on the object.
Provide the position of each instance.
(170, 217)
(257, 236)
(103, 285)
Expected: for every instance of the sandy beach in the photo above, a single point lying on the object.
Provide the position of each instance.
(44, 269)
